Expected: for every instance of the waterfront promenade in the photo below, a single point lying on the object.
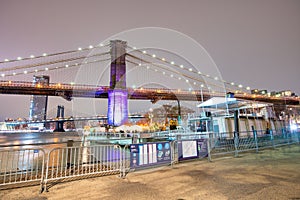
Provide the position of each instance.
(269, 174)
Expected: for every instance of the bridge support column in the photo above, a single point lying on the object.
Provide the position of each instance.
(117, 96)
(59, 125)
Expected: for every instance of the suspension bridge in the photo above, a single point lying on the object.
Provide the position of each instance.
(134, 74)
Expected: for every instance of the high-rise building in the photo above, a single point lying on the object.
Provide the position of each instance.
(38, 103)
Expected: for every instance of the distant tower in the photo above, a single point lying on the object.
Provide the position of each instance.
(38, 103)
(117, 96)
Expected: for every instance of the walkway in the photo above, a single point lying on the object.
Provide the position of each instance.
(271, 174)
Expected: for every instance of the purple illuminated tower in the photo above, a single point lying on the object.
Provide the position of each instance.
(117, 96)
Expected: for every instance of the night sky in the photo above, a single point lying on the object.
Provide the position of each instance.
(255, 43)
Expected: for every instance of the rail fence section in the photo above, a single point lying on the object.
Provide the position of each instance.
(72, 162)
(25, 166)
(220, 146)
(35, 166)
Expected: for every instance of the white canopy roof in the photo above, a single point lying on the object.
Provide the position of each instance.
(231, 103)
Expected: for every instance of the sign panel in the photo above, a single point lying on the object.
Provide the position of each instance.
(148, 154)
(191, 149)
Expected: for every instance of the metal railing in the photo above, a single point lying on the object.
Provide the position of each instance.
(34, 166)
(21, 166)
(70, 162)
(258, 140)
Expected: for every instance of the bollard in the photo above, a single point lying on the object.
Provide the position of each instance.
(69, 144)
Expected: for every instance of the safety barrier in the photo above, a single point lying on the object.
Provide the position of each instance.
(68, 163)
(23, 166)
(234, 145)
(71, 162)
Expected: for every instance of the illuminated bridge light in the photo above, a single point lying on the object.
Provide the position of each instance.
(14, 73)
(171, 75)
(144, 52)
(36, 70)
(19, 58)
(181, 66)
(79, 48)
(232, 83)
(154, 56)
(25, 72)
(2, 75)
(199, 72)
(190, 69)
(179, 78)
(163, 59)
(202, 85)
(32, 56)
(140, 64)
(44, 54)
(91, 46)
(101, 45)
(247, 88)
(66, 66)
(46, 69)
(117, 107)
(240, 86)
(172, 63)
(6, 60)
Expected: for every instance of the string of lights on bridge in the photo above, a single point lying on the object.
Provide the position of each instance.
(54, 54)
(91, 47)
(181, 67)
(47, 68)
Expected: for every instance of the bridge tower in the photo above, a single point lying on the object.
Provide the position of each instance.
(38, 103)
(59, 125)
(117, 95)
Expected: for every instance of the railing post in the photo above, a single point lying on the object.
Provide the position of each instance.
(236, 143)
(255, 139)
(272, 138)
(298, 133)
(174, 151)
(69, 159)
(208, 150)
(122, 168)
